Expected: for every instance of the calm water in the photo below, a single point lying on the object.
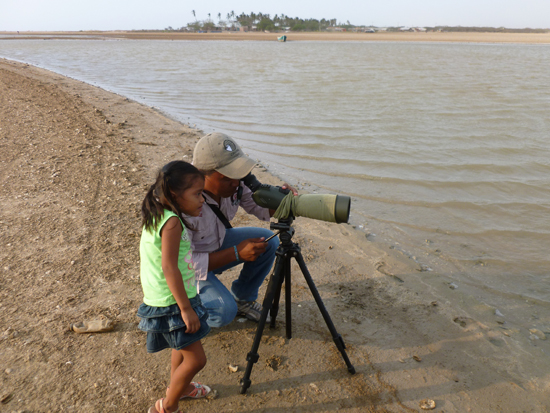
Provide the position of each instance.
(443, 147)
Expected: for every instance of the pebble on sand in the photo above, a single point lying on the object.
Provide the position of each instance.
(538, 334)
(427, 404)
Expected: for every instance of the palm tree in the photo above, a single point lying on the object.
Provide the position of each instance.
(209, 17)
(219, 17)
(193, 11)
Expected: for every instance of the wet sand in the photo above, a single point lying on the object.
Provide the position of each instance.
(75, 164)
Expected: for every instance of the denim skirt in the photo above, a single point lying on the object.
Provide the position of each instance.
(165, 327)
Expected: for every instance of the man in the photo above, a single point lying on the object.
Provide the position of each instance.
(216, 245)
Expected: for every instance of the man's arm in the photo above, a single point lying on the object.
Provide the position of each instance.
(247, 250)
(205, 238)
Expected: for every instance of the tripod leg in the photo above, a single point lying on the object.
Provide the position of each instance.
(288, 299)
(278, 287)
(335, 336)
(273, 289)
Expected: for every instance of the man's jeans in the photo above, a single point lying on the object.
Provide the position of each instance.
(217, 299)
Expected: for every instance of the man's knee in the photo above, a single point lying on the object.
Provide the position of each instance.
(272, 245)
(222, 314)
(271, 249)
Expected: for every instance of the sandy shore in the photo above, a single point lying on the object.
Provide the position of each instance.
(533, 38)
(75, 163)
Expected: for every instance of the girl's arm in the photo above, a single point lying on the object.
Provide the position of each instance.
(170, 247)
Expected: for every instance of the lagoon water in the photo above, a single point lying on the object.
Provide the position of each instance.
(444, 148)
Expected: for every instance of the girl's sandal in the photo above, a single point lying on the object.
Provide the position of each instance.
(159, 408)
(199, 391)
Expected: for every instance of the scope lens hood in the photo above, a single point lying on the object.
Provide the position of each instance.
(341, 208)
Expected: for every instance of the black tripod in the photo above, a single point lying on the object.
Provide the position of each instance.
(281, 273)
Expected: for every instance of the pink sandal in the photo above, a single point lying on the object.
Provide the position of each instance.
(159, 408)
(200, 390)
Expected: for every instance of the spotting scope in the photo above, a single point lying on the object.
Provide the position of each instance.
(325, 207)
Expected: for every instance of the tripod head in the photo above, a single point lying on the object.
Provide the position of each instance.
(284, 227)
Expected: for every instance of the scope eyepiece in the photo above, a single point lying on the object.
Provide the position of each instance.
(252, 182)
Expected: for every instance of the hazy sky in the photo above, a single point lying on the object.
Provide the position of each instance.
(148, 14)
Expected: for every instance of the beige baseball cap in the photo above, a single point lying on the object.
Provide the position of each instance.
(217, 151)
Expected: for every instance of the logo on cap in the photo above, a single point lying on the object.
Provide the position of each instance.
(229, 145)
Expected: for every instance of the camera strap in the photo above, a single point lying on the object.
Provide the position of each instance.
(220, 215)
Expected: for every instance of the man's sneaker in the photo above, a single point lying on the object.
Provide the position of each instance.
(251, 310)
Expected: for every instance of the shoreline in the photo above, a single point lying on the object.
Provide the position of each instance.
(408, 342)
(444, 37)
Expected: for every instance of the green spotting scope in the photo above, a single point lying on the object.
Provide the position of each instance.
(325, 207)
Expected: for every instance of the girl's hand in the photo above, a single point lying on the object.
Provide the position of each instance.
(191, 320)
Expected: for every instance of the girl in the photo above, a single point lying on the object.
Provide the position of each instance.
(172, 313)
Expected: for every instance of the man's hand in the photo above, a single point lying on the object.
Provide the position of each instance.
(250, 249)
(292, 189)
(284, 186)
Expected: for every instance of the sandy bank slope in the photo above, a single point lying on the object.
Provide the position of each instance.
(75, 162)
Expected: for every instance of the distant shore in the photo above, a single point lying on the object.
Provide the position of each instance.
(454, 37)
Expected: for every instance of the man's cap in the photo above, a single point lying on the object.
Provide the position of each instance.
(217, 151)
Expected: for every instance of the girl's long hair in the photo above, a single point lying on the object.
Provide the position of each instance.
(174, 178)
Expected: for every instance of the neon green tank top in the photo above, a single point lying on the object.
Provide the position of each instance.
(155, 288)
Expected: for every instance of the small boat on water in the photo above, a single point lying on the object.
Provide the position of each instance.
(282, 38)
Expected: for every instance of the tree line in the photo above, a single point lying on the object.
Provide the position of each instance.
(262, 21)
(266, 22)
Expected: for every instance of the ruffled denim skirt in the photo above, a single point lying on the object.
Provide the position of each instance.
(165, 327)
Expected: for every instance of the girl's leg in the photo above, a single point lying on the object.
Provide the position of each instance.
(185, 364)
(176, 360)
